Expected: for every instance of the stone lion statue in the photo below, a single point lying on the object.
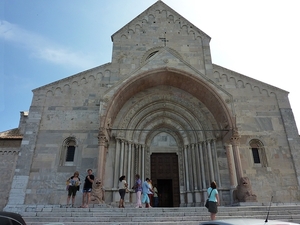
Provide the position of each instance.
(97, 194)
(243, 192)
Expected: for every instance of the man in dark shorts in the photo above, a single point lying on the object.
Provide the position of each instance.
(87, 189)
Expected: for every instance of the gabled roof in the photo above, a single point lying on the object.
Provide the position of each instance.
(11, 134)
(159, 5)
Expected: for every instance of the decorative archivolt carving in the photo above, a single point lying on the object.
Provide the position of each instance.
(146, 101)
(172, 133)
(108, 123)
(164, 123)
(147, 113)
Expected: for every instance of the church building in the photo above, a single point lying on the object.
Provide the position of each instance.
(163, 110)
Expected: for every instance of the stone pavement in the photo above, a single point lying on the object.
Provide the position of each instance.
(107, 215)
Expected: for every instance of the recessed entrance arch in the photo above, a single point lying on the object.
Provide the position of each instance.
(165, 174)
(180, 104)
(193, 84)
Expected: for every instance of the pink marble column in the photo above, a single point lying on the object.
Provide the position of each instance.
(232, 171)
(231, 166)
(236, 155)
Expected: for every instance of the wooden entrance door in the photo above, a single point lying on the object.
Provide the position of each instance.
(165, 174)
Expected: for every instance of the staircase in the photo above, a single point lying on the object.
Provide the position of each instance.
(107, 215)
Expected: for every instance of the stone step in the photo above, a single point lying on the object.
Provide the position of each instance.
(106, 215)
(139, 220)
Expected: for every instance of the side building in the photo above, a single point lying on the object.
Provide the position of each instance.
(10, 143)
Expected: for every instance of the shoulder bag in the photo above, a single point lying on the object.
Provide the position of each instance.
(207, 200)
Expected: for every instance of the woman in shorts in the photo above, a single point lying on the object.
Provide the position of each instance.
(73, 186)
(214, 200)
(87, 189)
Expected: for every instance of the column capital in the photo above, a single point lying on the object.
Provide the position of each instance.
(235, 137)
(102, 139)
(193, 145)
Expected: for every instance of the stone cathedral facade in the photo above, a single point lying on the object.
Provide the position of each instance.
(163, 110)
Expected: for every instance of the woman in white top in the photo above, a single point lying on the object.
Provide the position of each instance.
(73, 186)
(122, 190)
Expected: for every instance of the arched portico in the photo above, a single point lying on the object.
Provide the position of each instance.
(199, 88)
(185, 106)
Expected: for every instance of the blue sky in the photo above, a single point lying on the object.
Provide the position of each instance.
(44, 41)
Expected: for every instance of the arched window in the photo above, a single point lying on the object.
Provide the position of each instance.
(68, 152)
(258, 152)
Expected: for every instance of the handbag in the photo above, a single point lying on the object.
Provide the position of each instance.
(207, 200)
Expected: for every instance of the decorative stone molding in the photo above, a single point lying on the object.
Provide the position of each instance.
(235, 137)
(9, 152)
(102, 139)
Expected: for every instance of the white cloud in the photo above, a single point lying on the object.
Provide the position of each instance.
(42, 48)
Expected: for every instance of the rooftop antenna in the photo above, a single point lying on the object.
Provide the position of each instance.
(269, 210)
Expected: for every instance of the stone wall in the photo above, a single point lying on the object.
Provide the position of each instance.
(263, 113)
(7, 168)
(55, 116)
